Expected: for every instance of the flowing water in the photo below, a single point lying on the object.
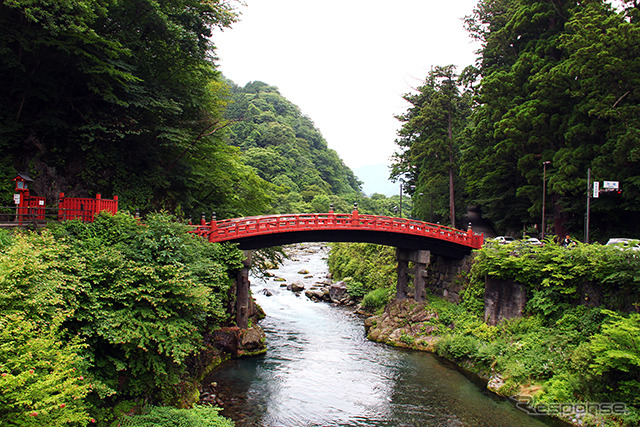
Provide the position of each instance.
(320, 370)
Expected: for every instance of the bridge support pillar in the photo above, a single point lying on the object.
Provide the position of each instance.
(420, 259)
(243, 300)
(402, 288)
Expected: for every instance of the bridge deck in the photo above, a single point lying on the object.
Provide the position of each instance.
(302, 227)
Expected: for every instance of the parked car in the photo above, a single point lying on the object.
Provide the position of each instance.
(532, 241)
(624, 243)
(504, 240)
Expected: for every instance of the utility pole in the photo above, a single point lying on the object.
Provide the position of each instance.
(400, 198)
(544, 195)
(586, 222)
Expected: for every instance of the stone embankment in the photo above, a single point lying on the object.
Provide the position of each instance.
(404, 323)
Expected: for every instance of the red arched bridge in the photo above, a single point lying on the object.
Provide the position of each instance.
(274, 230)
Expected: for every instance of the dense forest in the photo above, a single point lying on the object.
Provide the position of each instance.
(555, 87)
(121, 98)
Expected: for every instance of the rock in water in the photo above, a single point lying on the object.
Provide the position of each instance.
(337, 291)
(297, 287)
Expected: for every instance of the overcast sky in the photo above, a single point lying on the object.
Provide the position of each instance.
(347, 63)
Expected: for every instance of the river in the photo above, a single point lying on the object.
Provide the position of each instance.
(320, 370)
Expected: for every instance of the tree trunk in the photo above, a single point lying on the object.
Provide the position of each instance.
(452, 198)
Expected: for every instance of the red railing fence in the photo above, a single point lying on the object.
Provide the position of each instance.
(85, 208)
(230, 229)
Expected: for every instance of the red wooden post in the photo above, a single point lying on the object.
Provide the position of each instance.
(354, 215)
(213, 227)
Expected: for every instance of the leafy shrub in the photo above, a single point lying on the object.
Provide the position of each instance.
(163, 416)
(355, 289)
(556, 277)
(375, 299)
(457, 347)
(42, 376)
(140, 297)
(407, 339)
(5, 238)
(373, 265)
(147, 294)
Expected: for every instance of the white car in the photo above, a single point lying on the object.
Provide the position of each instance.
(625, 243)
(533, 241)
(504, 240)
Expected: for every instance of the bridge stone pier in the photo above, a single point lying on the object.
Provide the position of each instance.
(439, 274)
(421, 260)
(244, 302)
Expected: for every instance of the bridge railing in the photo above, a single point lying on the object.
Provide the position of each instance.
(230, 229)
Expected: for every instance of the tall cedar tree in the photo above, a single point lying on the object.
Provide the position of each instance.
(429, 143)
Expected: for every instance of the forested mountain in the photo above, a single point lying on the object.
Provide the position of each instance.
(285, 148)
(555, 82)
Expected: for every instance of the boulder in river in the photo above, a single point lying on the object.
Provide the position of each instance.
(337, 291)
(315, 294)
(251, 341)
(297, 287)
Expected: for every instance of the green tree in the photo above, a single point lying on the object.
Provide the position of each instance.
(430, 137)
(145, 296)
(42, 375)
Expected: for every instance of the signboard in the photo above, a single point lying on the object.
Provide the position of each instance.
(610, 185)
(596, 189)
(16, 199)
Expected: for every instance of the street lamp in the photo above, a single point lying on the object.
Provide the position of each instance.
(544, 194)
(401, 191)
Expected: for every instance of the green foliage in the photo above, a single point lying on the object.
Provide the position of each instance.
(199, 416)
(148, 292)
(375, 299)
(557, 277)
(429, 143)
(32, 277)
(369, 264)
(611, 360)
(129, 103)
(472, 294)
(5, 238)
(354, 288)
(126, 303)
(286, 149)
(617, 346)
(585, 354)
(554, 82)
(42, 375)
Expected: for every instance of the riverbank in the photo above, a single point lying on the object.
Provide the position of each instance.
(503, 358)
(320, 369)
